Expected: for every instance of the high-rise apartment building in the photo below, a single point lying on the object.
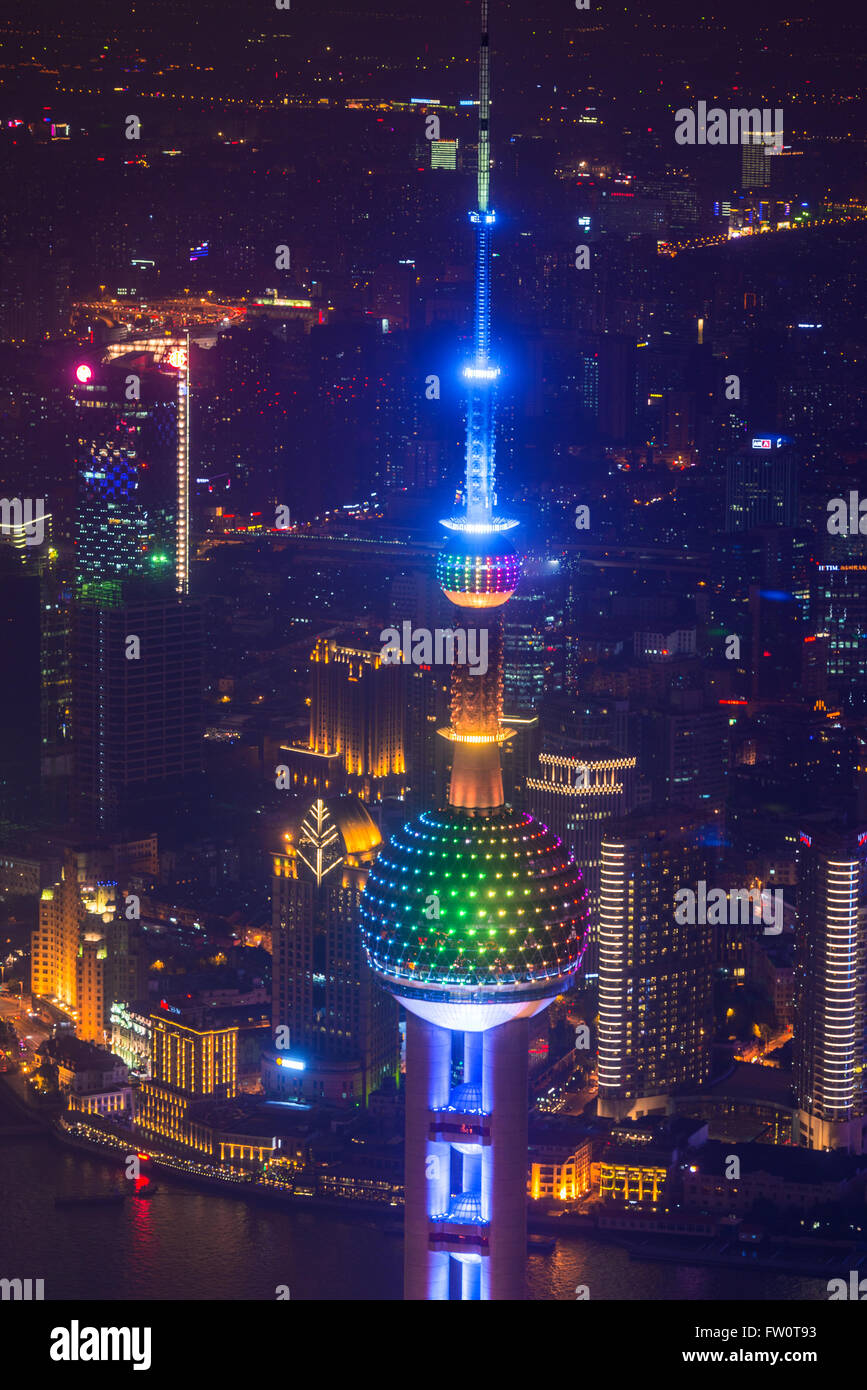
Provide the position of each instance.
(54, 944)
(655, 972)
(830, 1028)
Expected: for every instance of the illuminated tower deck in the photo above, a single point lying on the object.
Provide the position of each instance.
(473, 916)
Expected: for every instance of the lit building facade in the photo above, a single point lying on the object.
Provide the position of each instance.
(90, 987)
(561, 1176)
(343, 1039)
(655, 973)
(54, 943)
(189, 1064)
(358, 711)
(132, 410)
(578, 797)
(831, 991)
(473, 916)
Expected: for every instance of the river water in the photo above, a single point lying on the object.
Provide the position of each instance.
(186, 1243)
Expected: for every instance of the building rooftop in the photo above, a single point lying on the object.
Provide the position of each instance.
(78, 1055)
(780, 1161)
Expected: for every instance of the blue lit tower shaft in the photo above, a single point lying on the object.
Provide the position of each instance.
(481, 373)
(474, 916)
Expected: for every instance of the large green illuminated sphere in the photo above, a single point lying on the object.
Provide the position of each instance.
(487, 908)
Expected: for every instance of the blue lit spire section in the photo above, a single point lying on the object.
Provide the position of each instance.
(481, 373)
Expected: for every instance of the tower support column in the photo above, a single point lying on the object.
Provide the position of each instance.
(504, 1164)
(427, 1163)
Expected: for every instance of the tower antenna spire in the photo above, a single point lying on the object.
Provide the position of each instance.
(481, 373)
(484, 165)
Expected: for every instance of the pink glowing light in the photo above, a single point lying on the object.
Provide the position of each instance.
(83, 373)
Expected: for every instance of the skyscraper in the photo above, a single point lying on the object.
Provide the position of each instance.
(137, 705)
(578, 797)
(358, 711)
(762, 484)
(20, 744)
(133, 460)
(343, 1036)
(137, 718)
(655, 973)
(473, 916)
(755, 168)
(831, 990)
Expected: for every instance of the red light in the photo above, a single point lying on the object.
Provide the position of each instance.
(83, 373)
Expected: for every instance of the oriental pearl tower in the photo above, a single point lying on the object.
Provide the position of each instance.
(474, 916)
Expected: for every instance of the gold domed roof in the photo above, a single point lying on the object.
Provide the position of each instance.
(357, 831)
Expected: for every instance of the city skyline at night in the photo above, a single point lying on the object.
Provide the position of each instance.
(433, 867)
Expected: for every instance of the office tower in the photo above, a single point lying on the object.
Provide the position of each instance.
(20, 728)
(519, 755)
(762, 484)
(56, 594)
(137, 717)
(683, 753)
(776, 645)
(125, 961)
(137, 637)
(838, 619)
(533, 640)
(755, 166)
(415, 597)
(473, 916)
(444, 154)
(190, 1061)
(427, 706)
(655, 973)
(831, 990)
(132, 412)
(578, 797)
(570, 726)
(358, 710)
(343, 1036)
